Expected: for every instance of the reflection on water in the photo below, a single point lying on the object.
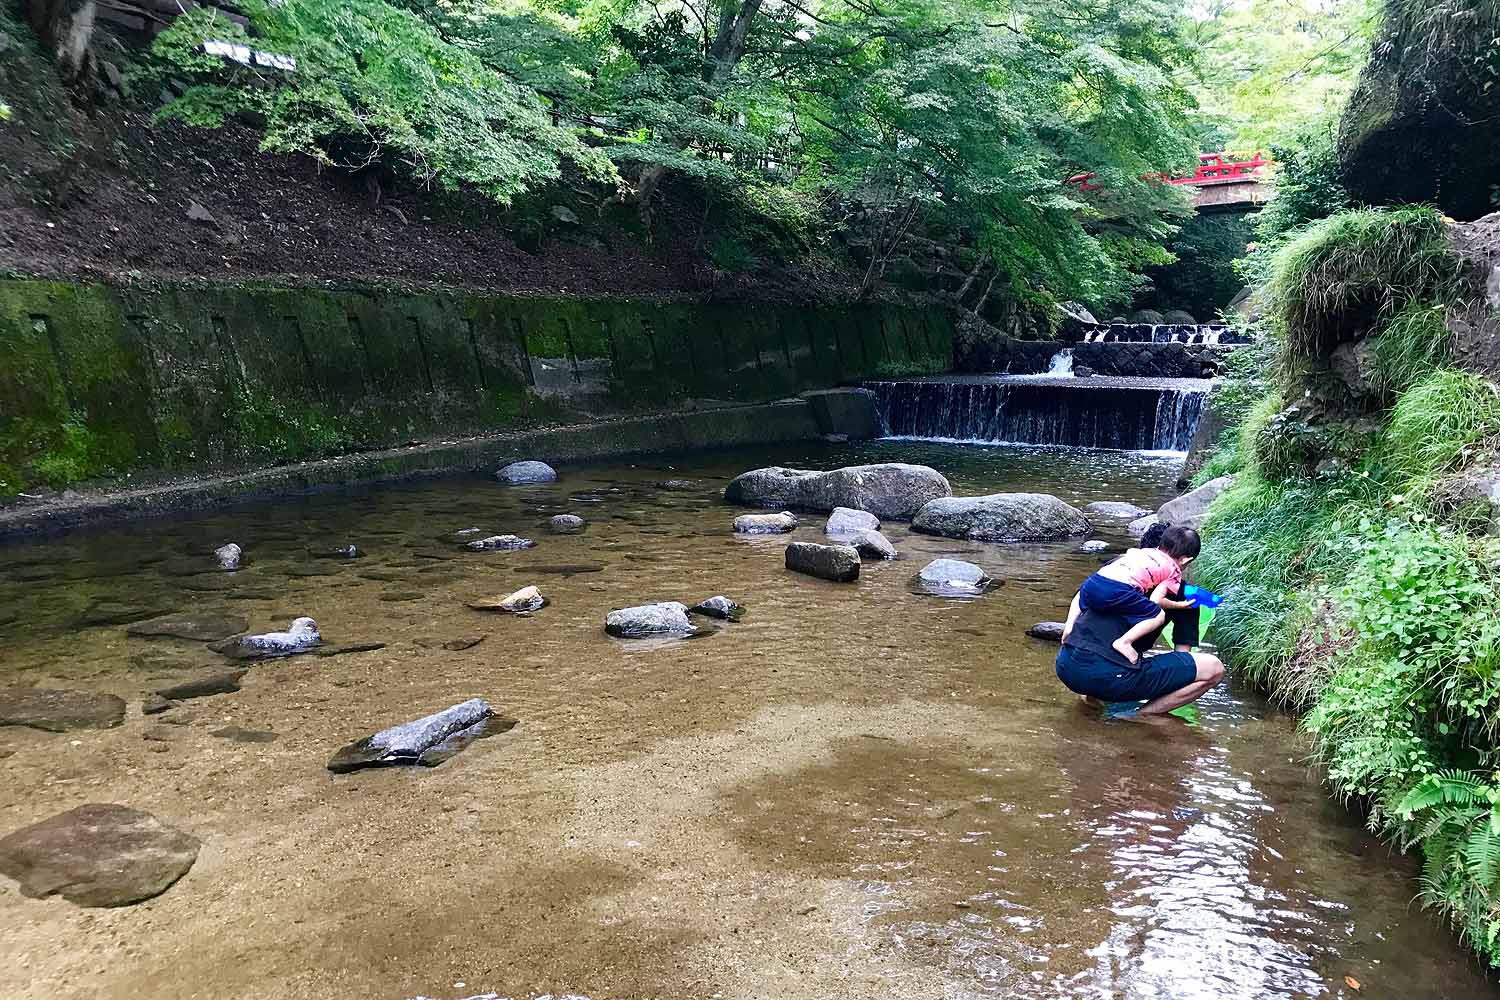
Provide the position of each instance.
(926, 813)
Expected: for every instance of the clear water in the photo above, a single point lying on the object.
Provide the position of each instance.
(855, 792)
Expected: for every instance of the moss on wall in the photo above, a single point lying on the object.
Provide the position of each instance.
(99, 380)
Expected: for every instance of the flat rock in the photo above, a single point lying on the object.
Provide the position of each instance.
(1191, 509)
(523, 601)
(952, 578)
(765, 524)
(463, 642)
(155, 704)
(872, 545)
(59, 710)
(203, 628)
(347, 647)
(1049, 631)
(719, 607)
(646, 620)
(1001, 517)
(107, 612)
(566, 524)
(98, 855)
(428, 741)
(201, 685)
(848, 521)
(238, 735)
(1116, 509)
(893, 490)
(839, 563)
(500, 543)
(526, 472)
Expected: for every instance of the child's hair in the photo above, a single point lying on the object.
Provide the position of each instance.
(1152, 538)
(1180, 542)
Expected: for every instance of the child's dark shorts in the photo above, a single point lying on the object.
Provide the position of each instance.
(1104, 596)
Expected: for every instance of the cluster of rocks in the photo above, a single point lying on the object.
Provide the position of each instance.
(668, 619)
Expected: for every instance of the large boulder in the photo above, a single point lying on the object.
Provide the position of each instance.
(893, 490)
(58, 710)
(1191, 509)
(1001, 517)
(526, 472)
(98, 855)
(839, 563)
(1420, 125)
(647, 620)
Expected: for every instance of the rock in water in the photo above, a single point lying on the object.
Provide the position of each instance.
(1049, 631)
(523, 601)
(427, 741)
(679, 484)
(1141, 525)
(205, 683)
(952, 578)
(1191, 509)
(891, 490)
(765, 524)
(847, 521)
(646, 620)
(500, 543)
(229, 556)
(301, 636)
(98, 855)
(1116, 508)
(839, 563)
(872, 545)
(1001, 517)
(204, 628)
(566, 524)
(718, 606)
(527, 472)
(1094, 545)
(58, 711)
(343, 552)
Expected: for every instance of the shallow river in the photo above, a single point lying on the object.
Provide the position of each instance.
(854, 792)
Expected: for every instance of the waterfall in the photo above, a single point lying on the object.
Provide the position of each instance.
(1061, 363)
(1092, 413)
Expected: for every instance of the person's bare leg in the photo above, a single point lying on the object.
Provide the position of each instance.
(1123, 645)
(1210, 672)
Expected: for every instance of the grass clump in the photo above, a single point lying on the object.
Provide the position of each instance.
(1349, 273)
(1414, 342)
(1432, 425)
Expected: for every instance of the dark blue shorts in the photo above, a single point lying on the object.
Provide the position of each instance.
(1104, 596)
(1091, 674)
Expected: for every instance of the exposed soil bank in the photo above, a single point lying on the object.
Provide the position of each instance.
(770, 423)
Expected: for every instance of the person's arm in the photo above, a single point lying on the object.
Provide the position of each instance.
(1073, 610)
(1161, 600)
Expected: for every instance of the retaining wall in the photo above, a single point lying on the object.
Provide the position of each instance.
(98, 380)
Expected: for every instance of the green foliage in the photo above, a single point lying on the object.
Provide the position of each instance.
(729, 254)
(263, 428)
(1203, 279)
(374, 83)
(1431, 425)
(1309, 187)
(1455, 816)
(1354, 271)
(79, 454)
(1413, 343)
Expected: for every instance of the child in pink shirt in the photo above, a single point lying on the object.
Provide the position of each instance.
(1134, 586)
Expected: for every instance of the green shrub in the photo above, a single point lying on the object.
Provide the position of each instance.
(1431, 426)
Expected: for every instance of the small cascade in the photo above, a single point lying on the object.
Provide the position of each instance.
(1061, 364)
(1122, 414)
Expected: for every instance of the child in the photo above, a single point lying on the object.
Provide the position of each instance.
(1134, 586)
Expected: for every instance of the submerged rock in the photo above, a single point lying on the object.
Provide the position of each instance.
(566, 524)
(847, 521)
(1048, 631)
(1001, 517)
(155, 704)
(872, 545)
(889, 490)
(301, 636)
(229, 556)
(427, 741)
(1116, 508)
(523, 601)
(839, 563)
(350, 551)
(1094, 545)
(57, 710)
(765, 524)
(203, 628)
(238, 735)
(1191, 509)
(718, 606)
(952, 578)
(462, 643)
(500, 543)
(646, 620)
(98, 855)
(203, 684)
(679, 485)
(527, 472)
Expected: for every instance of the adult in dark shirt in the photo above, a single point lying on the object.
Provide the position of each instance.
(1088, 663)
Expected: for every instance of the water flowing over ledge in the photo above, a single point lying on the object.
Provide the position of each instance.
(1120, 413)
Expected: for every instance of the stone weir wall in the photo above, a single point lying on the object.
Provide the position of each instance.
(1007, 356)
(99, 380)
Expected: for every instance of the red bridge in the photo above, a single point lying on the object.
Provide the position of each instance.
(1220, 182)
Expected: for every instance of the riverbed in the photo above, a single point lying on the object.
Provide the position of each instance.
(854, 792)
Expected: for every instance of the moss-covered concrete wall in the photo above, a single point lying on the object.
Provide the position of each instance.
(100, 380)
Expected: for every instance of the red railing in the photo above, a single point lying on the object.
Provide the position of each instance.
(1213, 168)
